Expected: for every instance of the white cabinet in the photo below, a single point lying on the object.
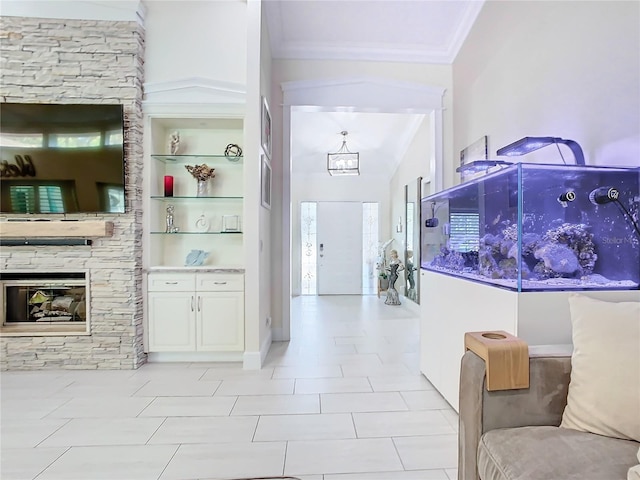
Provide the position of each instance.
(193, 236)
(218, 321)
(451, 306)
(196, 312)
(172, 321)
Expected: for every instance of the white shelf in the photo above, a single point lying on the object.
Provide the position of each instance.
(215, 160)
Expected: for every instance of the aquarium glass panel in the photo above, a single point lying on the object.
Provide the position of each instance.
(577, 228)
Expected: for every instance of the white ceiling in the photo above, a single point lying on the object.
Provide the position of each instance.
(417, 31)
(423, 31)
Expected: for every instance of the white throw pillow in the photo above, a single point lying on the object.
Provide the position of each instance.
(604, 392)
(634, 472)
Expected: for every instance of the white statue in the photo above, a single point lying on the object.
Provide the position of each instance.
(381, 262)
(174, 143)
(395, 266)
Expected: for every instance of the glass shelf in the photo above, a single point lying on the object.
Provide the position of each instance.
(197, 233)
(213, 159)
(173, 199)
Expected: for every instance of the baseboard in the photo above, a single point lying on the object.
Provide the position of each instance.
(255, 360)
(194, 357)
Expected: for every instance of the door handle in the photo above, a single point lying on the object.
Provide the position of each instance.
(322, 249)
(199, 304)
(192, 302)
(170, 283)
(219, 283)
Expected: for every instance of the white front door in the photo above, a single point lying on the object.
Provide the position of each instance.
(339, 240)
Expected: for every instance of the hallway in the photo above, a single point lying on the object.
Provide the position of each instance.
(344, 400)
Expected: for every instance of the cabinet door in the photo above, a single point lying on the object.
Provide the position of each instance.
(220, 321)
(172, 321)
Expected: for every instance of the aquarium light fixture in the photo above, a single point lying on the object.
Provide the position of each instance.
(481, 166)
(529, 144)
(343, 162)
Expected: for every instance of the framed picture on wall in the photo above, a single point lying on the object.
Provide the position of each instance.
(266, 128)
(265, 177)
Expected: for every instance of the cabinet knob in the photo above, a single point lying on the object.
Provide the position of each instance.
(170, 283)
(199, 304)
(192, 302)
(219, 283)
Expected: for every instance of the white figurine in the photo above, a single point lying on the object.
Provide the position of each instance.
(174, 143)
(395, 266)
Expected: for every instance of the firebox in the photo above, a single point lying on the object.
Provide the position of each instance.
(46, 302)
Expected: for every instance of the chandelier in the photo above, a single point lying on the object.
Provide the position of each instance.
(343, 162)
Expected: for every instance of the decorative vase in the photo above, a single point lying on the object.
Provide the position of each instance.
(203, 188)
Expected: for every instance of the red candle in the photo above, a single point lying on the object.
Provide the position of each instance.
(168, 186)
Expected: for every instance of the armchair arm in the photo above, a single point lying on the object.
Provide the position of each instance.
(480, 411)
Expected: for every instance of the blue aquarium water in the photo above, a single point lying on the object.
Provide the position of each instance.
(534, 227)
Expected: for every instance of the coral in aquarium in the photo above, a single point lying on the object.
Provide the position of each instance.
(565, 251)
(557, 258)
(577, 238)
(458, 261)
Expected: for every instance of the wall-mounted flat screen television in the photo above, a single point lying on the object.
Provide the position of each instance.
(61, 158)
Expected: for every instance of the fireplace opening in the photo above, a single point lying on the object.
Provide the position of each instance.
(46, 303)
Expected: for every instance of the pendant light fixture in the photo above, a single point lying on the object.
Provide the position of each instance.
(343, 162)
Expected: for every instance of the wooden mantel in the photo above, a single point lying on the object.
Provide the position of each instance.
(56, 229)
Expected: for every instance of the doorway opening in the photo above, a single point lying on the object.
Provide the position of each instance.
(345, 95)
(311, 251)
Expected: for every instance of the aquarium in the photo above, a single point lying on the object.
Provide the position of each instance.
(532, 227)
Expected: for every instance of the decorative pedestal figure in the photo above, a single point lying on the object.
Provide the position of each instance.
(411, 281)
(171, 227)
(395, 266)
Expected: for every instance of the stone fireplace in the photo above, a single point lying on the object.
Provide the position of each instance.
(77, 61)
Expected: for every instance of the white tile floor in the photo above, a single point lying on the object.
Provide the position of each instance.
(344, 400)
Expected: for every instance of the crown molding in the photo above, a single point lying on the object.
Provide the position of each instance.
(302, 51)
(464, 27)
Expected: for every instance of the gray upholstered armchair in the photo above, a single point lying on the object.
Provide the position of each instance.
(491, 448)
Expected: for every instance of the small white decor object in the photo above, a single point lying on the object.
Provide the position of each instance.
(196, 258)
(230, 223)
(174, 143)
(202, 224)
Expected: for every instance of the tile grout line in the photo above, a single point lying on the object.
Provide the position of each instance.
(52, 462)
(54, 432)
(156, 430)
(170, 460)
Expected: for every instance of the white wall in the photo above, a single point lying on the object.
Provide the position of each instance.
(563, 68)
(325, 188)
(414, 164)
(196, 39)
(266, 233)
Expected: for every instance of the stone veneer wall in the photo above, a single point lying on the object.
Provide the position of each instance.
(83, 61)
